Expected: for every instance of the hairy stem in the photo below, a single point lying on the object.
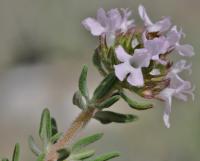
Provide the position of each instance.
(79, 123)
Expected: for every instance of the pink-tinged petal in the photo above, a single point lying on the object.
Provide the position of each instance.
(135, 78)
(160, 26)
(185, 50)
(122, 70)
(181, 96)
(101, 17)
(115, 19)
(126, 23)
(166, 96)
(122, 54)
(180, 66)
(140, 58)
(157, 46)
(173, 36)
(93, 26)
(144, 16)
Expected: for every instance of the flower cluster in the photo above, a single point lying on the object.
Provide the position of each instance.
(139, 56)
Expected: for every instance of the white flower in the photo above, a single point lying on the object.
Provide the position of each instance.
(178, 88)
(156, 46)
(109, 23)
(173, 37)
(131, 65)
(160, 26)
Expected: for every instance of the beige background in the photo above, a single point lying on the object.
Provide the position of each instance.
(42, 49)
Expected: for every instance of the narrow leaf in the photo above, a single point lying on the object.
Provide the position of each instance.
(55, 137)
(107, 156)
(82, 155)
(83, 82)
(136, 105)
(97, 62)
(32, 145)
(106, 117)
(78, 100)
(16, 152)
(54, 128)
(86, 141)
(45, 130)
(105, 86)
(109, 102)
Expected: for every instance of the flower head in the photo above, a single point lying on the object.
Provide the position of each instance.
(107, 24)
(140, 56)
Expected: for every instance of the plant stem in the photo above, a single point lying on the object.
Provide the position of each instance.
(79, 123)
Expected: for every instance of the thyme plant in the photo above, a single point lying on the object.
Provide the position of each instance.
(129, 58)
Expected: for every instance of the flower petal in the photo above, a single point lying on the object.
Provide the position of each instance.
(122, 54)
(93, 26)
(173, 36)
(160, 26)
(144, 16)
(140, 58)
(122, 70)
(126, 24)
(157, 46)
(101, 17)
(136, 77)
(185, 50)
(180, 66)
(115, 19)
(166, 95)
(166, 120)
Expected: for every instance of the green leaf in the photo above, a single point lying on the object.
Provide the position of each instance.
(63, 154)
(55, 137)
(41, 157)
(83, 82)
(16, 152)
(105, 86)
(97, 62)
(106, 117)
(54, 128)
(45, 130)
(32, 145)
(82, 155)
(136, 105)
(86, 141)
(107, 156)
(78, 100)
(108, 102)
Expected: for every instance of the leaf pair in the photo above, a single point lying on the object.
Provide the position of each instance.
(48, 133)
(78, 151)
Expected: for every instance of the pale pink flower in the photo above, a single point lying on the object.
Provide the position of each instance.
(159, 26)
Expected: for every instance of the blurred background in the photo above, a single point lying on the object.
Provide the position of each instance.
(42, 49)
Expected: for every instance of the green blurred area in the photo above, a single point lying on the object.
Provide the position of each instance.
(42, 49)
